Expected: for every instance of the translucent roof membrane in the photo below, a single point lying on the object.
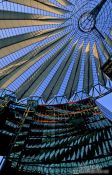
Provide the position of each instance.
(54, 48)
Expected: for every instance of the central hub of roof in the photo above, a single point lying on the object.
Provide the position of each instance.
(86, 22)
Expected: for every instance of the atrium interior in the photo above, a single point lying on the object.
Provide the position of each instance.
(55, 66)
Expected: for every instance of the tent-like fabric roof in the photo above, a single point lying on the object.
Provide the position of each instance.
(54, 47)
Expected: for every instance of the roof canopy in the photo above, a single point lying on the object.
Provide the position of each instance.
(54, 47)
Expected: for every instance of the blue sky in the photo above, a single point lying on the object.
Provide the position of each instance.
(106, 101)
(1, 162)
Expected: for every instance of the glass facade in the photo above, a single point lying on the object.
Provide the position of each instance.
(60, 139)
(107, 68)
